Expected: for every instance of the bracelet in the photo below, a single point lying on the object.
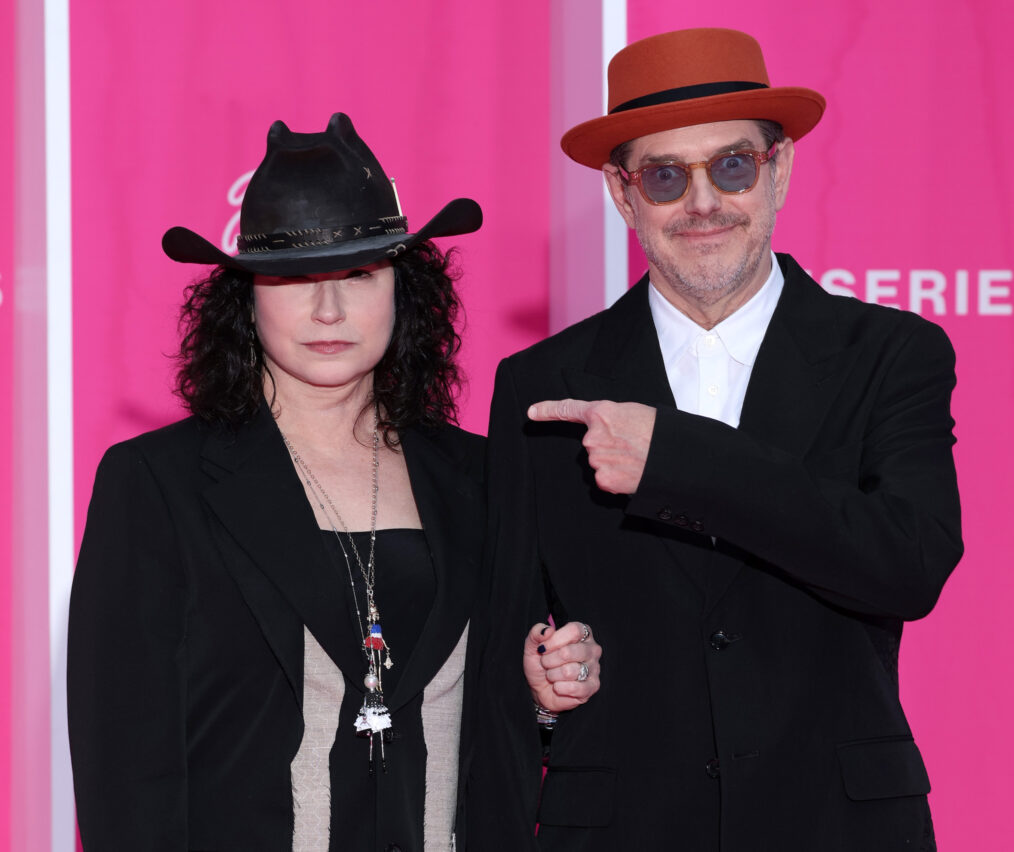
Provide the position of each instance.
(546, 718)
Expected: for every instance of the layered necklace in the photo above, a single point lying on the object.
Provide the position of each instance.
(374, 719)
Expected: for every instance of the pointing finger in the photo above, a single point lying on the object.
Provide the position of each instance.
(574, 410)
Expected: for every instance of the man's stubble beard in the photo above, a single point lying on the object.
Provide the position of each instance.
(704, 285)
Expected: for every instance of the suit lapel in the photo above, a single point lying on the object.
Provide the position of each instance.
(263, 510)
(799, 366)
(625, 364)
(451, 507)
(792, 385)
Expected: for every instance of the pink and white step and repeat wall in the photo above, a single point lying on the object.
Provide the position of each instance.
(902, 196)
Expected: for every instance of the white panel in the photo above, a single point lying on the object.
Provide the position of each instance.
(614, 243)
(587, 239)
(59, 360)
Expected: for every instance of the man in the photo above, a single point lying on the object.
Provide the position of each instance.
(743, 483)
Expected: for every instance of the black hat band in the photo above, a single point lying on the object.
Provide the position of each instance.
(309, 237)
(687, 93)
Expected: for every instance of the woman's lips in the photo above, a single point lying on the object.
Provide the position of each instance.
(328, 347)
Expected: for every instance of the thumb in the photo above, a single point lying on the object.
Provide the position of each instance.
(536, 639)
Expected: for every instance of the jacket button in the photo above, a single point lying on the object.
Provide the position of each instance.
(697, 526)
(682, 521)
(665, 514)
(721, 640)
(711, 767)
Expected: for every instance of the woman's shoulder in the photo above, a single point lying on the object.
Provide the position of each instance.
(462, 437)
(167, 445)
(465, 448)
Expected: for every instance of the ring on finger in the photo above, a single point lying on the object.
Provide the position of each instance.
(582, 674)
(585, 633)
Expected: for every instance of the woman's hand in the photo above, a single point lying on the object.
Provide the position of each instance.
(562, 666)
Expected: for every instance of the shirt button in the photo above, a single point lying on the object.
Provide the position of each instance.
(713, 390)
(710, 340)
(712, 768)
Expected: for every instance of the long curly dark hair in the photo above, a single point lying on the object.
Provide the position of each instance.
(221, 363)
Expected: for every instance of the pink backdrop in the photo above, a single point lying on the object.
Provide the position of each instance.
(894, 193)
(6, 395)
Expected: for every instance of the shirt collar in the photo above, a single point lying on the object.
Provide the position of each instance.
(676, 331)
(741, 332)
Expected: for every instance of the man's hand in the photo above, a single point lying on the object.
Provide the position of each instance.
(561, 666)
(617, 439)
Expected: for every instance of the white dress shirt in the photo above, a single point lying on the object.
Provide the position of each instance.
(709, 370)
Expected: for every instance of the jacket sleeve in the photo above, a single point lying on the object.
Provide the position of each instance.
(875, 529)
(506, 772)
(125, 678)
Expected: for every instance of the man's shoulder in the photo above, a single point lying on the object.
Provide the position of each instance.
(572, 344)
(564, 343)
(853, 317)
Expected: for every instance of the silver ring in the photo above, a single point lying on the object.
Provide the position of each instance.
(585, 633)
(582, 675)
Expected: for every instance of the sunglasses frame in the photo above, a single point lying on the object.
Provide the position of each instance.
(759, 160)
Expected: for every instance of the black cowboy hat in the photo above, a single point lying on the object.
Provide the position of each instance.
(319, 202)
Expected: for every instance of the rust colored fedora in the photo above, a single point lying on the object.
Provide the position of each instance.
(689, 77)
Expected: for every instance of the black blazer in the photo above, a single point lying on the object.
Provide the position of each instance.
(200, 565)
(749, 598)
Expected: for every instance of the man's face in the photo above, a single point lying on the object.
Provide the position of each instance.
(707, 247)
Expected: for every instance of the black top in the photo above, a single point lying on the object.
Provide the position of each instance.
(404, 592)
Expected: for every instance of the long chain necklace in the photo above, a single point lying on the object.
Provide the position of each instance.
(374, 718)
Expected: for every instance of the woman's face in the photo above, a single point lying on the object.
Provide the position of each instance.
(327, 330)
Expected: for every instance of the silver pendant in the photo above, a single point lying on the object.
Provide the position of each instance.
(374, 721)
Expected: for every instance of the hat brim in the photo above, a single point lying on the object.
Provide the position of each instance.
(797, 109)
(460, 216)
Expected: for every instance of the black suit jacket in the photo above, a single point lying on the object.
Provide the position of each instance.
(749, 597)
(200, 565)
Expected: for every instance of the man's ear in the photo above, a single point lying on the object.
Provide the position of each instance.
(782, 166)
(618, 191)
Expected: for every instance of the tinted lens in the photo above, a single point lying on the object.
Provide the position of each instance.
(664, 183)
(734, 172)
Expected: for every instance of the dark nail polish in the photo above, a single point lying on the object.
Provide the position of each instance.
(542, 649)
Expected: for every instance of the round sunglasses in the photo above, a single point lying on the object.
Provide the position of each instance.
(730, 173)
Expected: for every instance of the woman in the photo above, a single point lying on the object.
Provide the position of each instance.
(271, 610)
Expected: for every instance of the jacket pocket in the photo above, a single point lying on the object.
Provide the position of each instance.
(882, 769)
(577, 796)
